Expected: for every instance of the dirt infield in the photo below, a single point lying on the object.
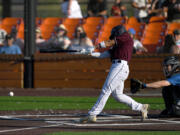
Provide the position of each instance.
(45, 123)
(41, 122)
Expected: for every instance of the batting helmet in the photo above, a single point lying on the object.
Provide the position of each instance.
(174, 63)
(117, 31)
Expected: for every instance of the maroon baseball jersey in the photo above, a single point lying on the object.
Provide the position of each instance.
(123, 48)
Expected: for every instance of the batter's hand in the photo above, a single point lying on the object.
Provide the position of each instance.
(104, 44)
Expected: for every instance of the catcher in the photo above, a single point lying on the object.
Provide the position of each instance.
(170, 86)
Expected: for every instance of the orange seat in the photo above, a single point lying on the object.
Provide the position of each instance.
(71, 24)
(152, 43)
(155, 40)
(11, 21)
(107, 28)
(115, 21)
(72, 21)
(157, 19)
(52, 21)
(20, 34)
(70, 30)
(7, 28)
(91, 34)
(139, 28)
(91, 30)
(94, 21)
(156, 27)
(172, 27)
(46, 31)
(132, 20)
(20, 31)
(103, 36)
(38, 21)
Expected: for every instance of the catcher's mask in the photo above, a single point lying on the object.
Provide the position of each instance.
(117, 31)
(171, 65)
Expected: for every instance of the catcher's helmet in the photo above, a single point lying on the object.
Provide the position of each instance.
(117, 31)
(174, 63)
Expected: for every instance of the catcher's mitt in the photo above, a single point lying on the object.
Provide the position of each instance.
(136, 85)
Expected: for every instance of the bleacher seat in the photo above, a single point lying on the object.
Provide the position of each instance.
(71, 24)
(9, 23)
(52, 21)
(98, 29)
(172, 26)
(157, 19)
(154, 35)
(20, 31)
(132, 22)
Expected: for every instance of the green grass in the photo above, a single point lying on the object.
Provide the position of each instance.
(67, 103)
(120, 133)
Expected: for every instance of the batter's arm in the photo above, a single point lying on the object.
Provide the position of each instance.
(105, 44)
(104, 54)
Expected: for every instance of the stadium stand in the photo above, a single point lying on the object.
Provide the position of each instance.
(71, 24)
(92, 26)
(9, 23)
(20, 31)
(154, 35)
(108, 25)
(48, 26)
(157, 19)
(172, 26)
(137, 26)
(52, 21)
(98, 29)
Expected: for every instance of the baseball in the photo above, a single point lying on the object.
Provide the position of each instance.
(11, 94)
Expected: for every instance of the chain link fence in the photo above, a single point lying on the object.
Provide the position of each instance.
(51, 8)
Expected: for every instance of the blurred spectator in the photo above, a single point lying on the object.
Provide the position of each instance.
(40, 42)
(137, 47)
(81, 41)
(172, 10)
(71, 9)
(141, 9)
(97, 8)
(171, 44)
(177, 37)
(17, 41)
(9, 47)
(39, 39)
(118, 9)
(60, 40)
(156, 8)
(3, 34)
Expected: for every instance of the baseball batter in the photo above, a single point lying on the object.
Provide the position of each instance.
(121, 45)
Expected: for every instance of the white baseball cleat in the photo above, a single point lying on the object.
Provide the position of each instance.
(88, 119)
(144, 111)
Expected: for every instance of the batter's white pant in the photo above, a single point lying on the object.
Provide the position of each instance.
(115, 84)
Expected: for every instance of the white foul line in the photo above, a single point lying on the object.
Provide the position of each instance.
(29, 128)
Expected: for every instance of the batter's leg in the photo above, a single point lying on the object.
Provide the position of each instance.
(120, 97)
